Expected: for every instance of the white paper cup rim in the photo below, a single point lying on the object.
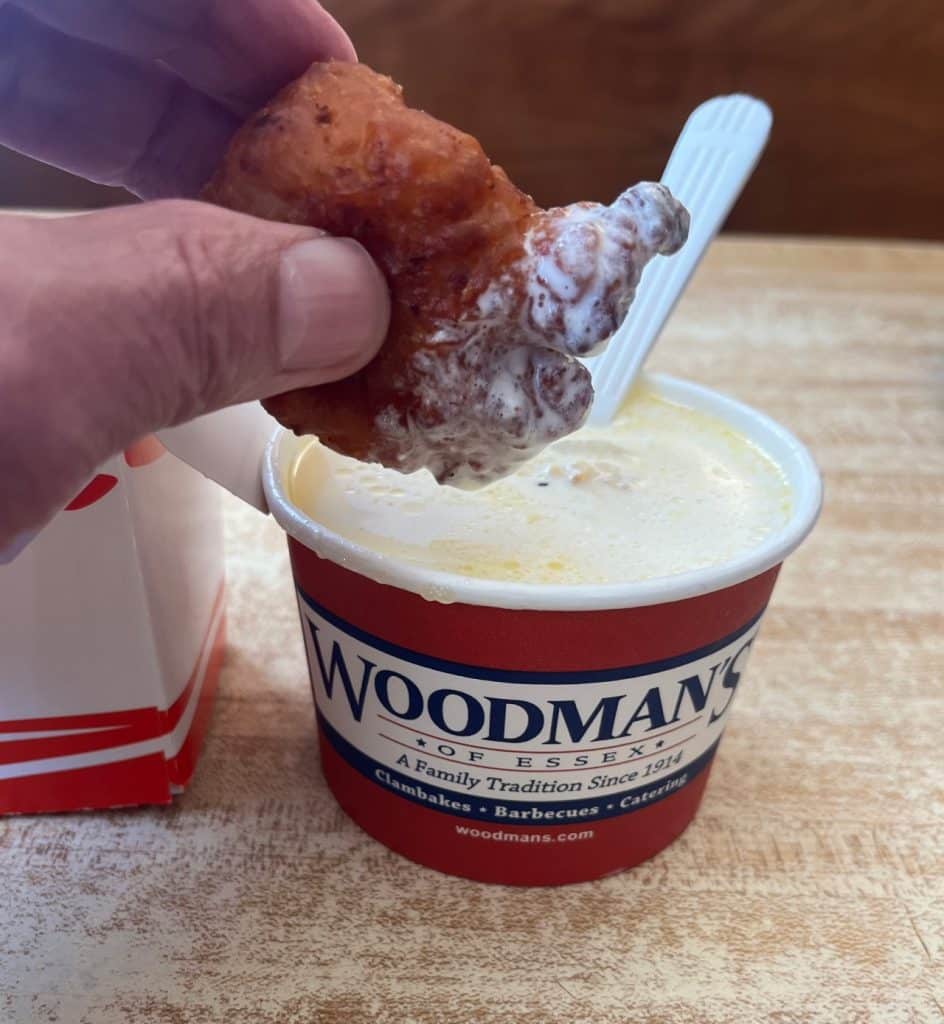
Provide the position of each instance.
(802, 477)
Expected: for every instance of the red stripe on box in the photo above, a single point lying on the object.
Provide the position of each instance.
(145, 727)
(529, 640)
(175, 712)
(126, 718)
(180, 769)
(433, 838)
(93, 491)
(138, 780)
(113, 728)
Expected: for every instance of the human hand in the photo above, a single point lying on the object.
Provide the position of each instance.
(147, 93)
(119, 323)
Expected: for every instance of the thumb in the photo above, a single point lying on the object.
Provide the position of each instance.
(119, 323)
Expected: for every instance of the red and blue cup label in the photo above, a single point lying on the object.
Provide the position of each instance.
(515, 747)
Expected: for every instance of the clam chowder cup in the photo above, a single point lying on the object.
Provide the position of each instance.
(522, 733)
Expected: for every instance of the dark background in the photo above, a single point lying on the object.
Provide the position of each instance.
(578, 98)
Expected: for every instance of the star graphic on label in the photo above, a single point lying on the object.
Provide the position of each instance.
(609, 807)
(420, 742)
(659, 744)
(482, 810)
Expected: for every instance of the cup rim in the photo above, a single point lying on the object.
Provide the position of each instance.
(802, 475)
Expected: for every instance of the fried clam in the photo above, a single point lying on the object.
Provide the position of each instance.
(493, 298)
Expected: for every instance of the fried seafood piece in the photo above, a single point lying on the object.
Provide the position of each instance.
(492, 297)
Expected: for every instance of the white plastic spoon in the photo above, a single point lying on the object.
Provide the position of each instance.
(709, 166)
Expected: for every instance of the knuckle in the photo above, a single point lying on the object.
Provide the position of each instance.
(202, 303)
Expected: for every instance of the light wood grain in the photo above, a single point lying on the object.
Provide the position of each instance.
(809, 889)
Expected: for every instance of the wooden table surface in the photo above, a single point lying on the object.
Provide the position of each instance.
(811, 886)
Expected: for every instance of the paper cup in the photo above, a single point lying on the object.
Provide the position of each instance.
(520, 733)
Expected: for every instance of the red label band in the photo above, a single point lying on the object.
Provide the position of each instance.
(551, 855)
(486, 758)
(529, 640)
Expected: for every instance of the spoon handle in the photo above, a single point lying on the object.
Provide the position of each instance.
(714, 156)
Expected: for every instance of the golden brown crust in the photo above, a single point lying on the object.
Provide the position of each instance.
(339, 150)
(477, 370)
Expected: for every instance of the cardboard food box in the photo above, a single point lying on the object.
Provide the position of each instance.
(111, 638)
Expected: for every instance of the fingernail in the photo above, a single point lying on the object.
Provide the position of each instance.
(334, 306)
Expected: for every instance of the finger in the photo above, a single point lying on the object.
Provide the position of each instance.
(240, 53)
(105, 116)
(119, 323)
